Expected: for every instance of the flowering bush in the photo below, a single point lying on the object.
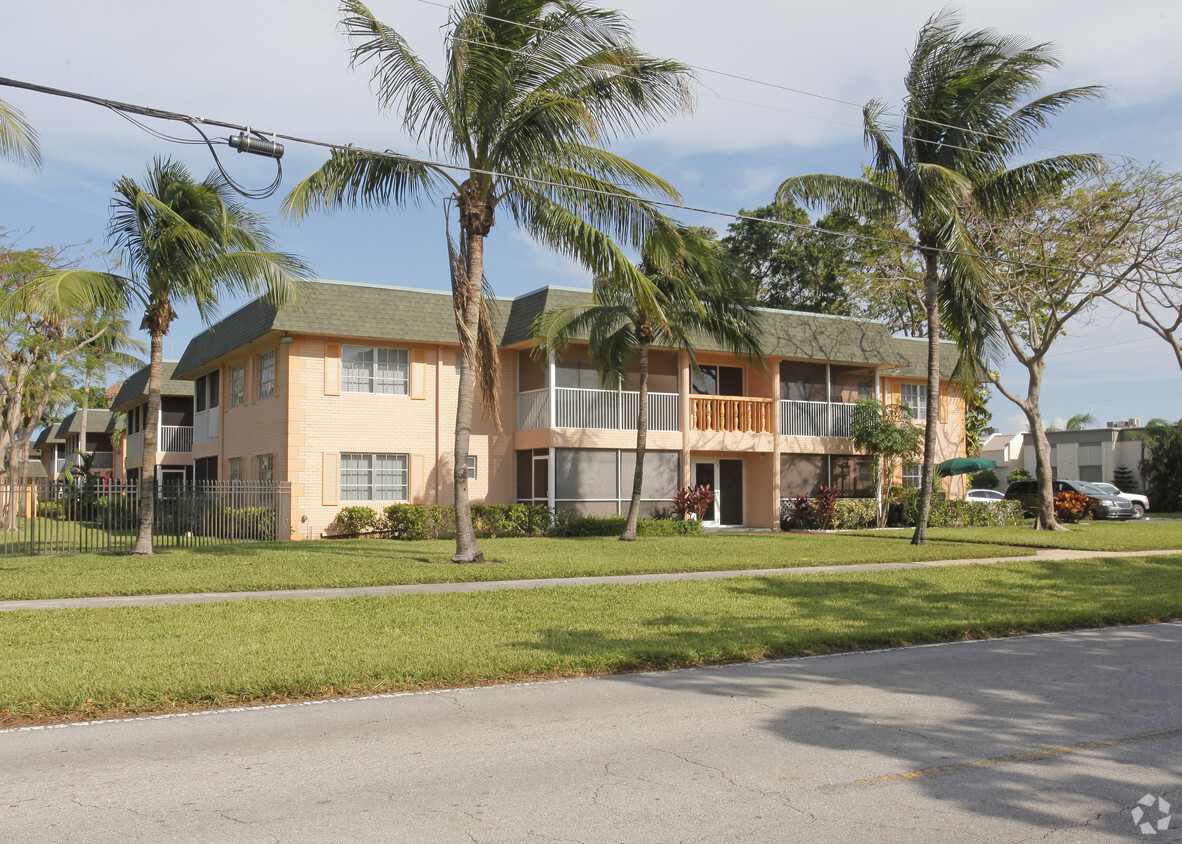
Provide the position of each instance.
(1072, 507)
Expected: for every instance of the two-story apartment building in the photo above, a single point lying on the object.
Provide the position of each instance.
(174, 441)
(350, 396)
(59, 444)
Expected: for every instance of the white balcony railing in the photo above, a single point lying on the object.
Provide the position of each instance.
(815, 418)
(175, 439)
(611, 410)
(102, 460)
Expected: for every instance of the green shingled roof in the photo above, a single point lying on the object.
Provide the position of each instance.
(912, 355)
(135, 388)
(381, 312)
(97, 421)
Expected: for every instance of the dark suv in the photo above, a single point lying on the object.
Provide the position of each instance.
(1104, 506)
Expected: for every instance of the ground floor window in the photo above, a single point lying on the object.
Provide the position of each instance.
(266, 468)
(912, 475)
(599, 481)
(852, 475)
(205, 469)
(375, 477)
(234, 469)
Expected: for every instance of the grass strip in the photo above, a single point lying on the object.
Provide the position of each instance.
(240, 567)
(102, 662)
(1087, 536)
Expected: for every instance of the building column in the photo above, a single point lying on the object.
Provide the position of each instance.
(683, 407)
(777, 446)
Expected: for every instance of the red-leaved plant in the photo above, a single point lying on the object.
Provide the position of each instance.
(693, 501)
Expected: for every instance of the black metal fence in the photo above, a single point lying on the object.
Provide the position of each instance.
(59, 517)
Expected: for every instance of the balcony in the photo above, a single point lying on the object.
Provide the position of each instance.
(731, 413)
(605, 410)
(171, 439)
(815, 418)
(102, 460)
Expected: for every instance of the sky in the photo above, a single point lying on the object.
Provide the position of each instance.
(282, 65)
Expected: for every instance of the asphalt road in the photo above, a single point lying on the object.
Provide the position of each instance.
(1050, 738)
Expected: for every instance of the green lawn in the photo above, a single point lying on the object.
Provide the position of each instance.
(1088, 536)
(91, 663)
(371, 562)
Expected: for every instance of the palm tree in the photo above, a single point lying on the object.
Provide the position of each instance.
(180, 241)
(963, 119)
(18, 140)
(1080, 421)
(700, 298)
(530, 87)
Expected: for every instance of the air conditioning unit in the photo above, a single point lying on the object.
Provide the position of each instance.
(1135, 422)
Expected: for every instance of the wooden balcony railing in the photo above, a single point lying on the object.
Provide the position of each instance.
(731, 413)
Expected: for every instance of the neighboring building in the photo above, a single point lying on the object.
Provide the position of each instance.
(1006, 451)
(351, 398)
(1091, 455)
(58, 444)
(174, 442)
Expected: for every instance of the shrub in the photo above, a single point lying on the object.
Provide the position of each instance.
(824, 504)
(511, 519)
(569, 524)
(693, 501)
(407, 521)
(1018, 474)
(441, 521)
(986, 479)
(51, 509)
(355, 520)
(116, 512)
(248, 523)
(854, 513)
(1072, 506)
(969, 514)
(796, 514)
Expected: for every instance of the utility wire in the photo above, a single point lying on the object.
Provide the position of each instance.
(774, 85)
(544, 183)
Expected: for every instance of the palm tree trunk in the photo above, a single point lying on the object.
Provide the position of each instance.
(931, 296)
(467, 550)
(151, 429)
(82, 415)
(629, 534)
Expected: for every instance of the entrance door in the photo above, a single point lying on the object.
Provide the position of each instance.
(706, 473)
(171, 481)
(730, 487)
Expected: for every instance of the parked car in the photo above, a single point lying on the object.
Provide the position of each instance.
(984, 496)
(1104, 504)
(1140, 502)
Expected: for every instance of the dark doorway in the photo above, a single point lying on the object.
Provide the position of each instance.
(730, 490)
(704, 475)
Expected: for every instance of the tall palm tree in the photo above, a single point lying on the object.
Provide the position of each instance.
(18, 140)
(963, 120)
(700, 298)
(530, 88)
(179, 241)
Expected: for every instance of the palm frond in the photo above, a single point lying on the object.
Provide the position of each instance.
(355, 179)
(18, 139)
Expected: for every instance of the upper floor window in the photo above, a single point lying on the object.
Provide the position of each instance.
(205, 392)
(718, 381)
(915, 396)
(267, 374)
(375, 369)
(237, 385)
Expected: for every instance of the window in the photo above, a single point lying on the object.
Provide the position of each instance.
(911, 475)
(1091, 462)
(266, 467)
(237, 385)
(235, 469)
(267, 374)
(199, 395)
(718, 381)
(579, 374)
(370, 369)
(915, 396)
(374, 477)
(471, 467)
(133, 420)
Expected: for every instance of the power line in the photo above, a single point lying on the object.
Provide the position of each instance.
(766, 84)
(196, 122)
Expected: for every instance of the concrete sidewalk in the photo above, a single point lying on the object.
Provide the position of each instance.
(489, 585)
